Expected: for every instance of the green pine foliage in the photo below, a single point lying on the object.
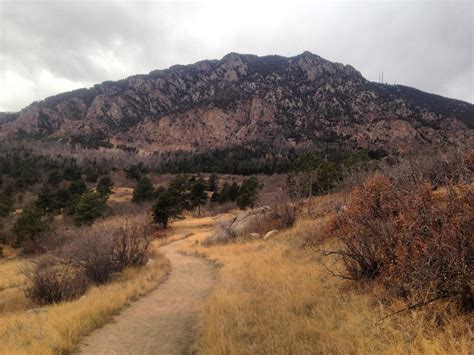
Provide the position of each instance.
(6, 203)
(198, 194)
(30, 224)
(168, 205)
(90, 206)
(104, 186)
(144, 191)
(249, 191)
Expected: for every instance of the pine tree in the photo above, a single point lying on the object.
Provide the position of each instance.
(144, 190)
(198, 195)
(168, 205)
(30, 224)
(224, 193)
(213, 183)
(234, 191)
(55, 178)
(78, 187)
(6, 203)
(249, 192)
(104, 186)
(90, 206)
(47, 200)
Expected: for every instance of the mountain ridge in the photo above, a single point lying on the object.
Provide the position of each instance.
(300, 101)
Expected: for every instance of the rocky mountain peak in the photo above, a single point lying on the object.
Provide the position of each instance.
(280, 102)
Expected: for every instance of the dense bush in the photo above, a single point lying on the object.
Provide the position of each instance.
(414, 239)
(53, 281)
(92, 256)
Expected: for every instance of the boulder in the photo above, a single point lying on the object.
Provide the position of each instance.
(246, 222)
(35, 311)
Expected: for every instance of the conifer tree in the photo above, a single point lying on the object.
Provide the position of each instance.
(90, 206)
(144, 190)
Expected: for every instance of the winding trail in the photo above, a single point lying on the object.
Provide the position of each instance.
(163, 322)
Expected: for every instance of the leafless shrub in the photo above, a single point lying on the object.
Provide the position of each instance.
(92, 254)
(53, 280)
(131, 247)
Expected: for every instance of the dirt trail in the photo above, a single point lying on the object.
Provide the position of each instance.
(164, 321)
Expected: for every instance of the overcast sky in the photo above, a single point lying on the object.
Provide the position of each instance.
(48, 47)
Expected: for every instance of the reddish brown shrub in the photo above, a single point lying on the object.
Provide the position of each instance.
(414, 239)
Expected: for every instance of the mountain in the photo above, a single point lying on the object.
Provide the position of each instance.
(298, 102)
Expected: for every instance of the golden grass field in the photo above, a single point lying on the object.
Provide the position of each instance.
(275, 297)
(56, 329)
(272, 297)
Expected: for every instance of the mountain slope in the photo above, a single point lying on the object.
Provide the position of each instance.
(302, 101)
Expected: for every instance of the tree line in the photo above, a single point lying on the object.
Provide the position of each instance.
(186, 193)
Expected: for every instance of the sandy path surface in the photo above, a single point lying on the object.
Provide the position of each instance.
(164, 322)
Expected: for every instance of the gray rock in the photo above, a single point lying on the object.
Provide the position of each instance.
(247, 221)
(270, 234)
(35, 311)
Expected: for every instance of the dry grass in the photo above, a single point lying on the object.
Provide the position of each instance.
(12, 297)
(121, 194)
(275, 297)
(57, 328)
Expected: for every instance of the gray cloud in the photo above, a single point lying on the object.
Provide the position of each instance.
(56, 46)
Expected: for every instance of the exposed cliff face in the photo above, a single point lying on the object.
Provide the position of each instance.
(299, 101)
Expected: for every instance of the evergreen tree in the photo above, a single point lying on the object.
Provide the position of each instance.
(168, 205)
(30, 224)
(249, 192)
(72, 172)
(77, 187)
(224, 193)
(213, 183)
(54, 178)
(6, 203)
(180, 187)
(104, 186)
(144, 190)
(198, 195)
(92, 175)
(234, 191)
(47, 200)
(215, 197)
(90, 206)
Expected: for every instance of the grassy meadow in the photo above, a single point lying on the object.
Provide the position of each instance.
(276, 297)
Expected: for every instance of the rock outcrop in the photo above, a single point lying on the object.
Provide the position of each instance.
(301, 101)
